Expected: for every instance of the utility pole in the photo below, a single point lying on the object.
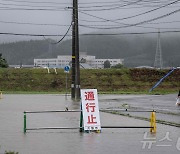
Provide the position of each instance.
(75, 86)
(73, 54)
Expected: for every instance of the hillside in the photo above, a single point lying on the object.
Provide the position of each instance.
(105, 80)
(136, 50)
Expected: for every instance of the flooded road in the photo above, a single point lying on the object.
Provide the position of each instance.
(165, 106)
(126, 141)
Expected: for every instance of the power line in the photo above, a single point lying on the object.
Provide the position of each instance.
(134, 7)
(154, 4)
(36, 2)
(163, 6)
(157, 18)
(28, 5)
(167, 22)
(135, 33)
(113, 8)
(126, 4)
(131, 25)
(125, 25)
(56, 8)
(42, 2)
(148, 11)
(99, 2)
(100, 6)
(26, 34)
(55, 3)
(85, 3)
(90, 34)
(82, 3)
(32, 9)
(121, 1)
(28, 23)
(115, 27)
(64, 35)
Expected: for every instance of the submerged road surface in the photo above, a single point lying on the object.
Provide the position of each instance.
(125, 141)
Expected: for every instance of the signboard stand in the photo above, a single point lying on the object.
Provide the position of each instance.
(89, 118)
(66, 70)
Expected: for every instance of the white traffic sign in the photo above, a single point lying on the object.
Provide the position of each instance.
(90, 109)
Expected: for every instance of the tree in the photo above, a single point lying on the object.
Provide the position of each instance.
(3, 62)
(107, 64)
(117, 66)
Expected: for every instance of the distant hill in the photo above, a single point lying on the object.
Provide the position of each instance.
(136, 50)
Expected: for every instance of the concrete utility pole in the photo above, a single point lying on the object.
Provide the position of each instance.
(75, 85)
(73, 54)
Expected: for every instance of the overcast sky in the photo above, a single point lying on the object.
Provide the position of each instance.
(52, 17)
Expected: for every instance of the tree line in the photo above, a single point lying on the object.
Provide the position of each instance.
(135, 50)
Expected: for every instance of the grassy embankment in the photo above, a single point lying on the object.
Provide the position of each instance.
(105, 80)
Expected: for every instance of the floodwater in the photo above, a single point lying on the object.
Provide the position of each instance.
(163, 104)
(125, 141)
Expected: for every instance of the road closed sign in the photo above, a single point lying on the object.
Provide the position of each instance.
(90, 109)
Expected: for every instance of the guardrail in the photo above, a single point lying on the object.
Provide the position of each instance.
(152, 119)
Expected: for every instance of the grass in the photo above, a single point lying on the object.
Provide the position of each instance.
(107, 81)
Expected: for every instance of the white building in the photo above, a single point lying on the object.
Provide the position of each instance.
(63, 60)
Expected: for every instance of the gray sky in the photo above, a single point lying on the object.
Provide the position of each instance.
(52, 17)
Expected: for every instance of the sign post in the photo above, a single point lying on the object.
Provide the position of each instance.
(90, 109)
(66, 70)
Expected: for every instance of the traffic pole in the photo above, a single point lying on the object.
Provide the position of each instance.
(81, 120)
(24, 122)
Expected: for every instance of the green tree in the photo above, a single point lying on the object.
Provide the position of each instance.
(3, 62)
(118, 66)
(107, 64)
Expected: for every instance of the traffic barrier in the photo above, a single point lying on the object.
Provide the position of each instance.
(152, 120)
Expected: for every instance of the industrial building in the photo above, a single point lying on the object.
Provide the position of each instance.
(86, 61)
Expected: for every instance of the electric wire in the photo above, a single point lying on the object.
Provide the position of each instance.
(26, 34)
(120, 6)
(124, 24)
(148, 11)
(58, 25)
(131, 25)
(134, 33)
(163, 6)
(35, 2)
(33, 9)
(28, 23)
(137, 2)
(128, 3)
(91, 34)
(111, 5)
(82, 25)
(64, 35)
(28, 5)
(56, 8)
